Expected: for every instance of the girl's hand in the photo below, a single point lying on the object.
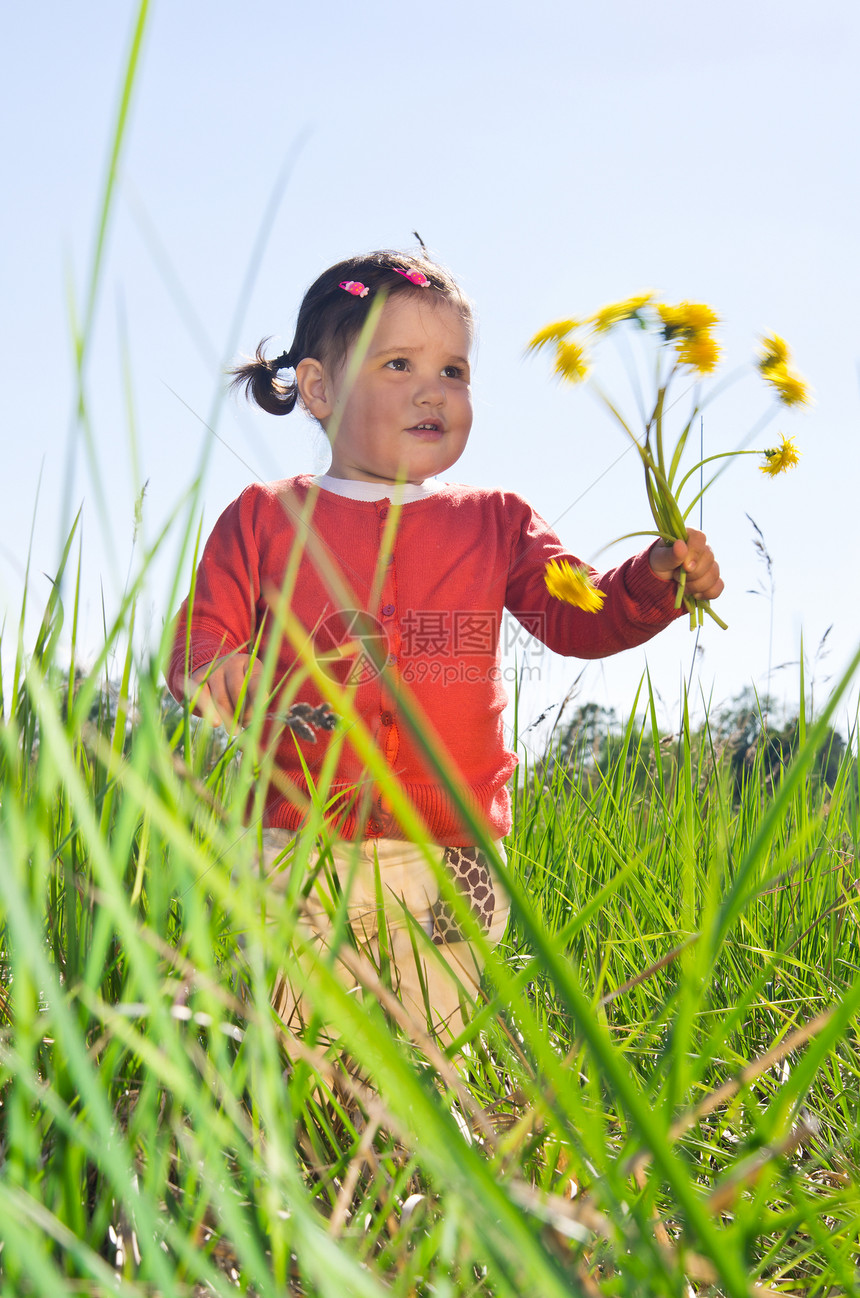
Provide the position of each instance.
(217, 689)
(696, 558)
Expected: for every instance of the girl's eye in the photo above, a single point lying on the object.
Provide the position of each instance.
(454, 372)
(398, 364)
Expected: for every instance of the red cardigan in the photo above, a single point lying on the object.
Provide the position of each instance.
(460, 556)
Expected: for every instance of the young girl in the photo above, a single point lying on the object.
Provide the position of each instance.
(407, 607)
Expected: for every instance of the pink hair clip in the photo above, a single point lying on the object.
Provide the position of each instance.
(355, 287)
(414, 277)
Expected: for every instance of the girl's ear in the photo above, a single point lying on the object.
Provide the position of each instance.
(314, 389)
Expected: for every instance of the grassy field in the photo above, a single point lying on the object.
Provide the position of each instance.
(658, 1095)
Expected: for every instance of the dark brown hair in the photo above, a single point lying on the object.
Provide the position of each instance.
(330, 319)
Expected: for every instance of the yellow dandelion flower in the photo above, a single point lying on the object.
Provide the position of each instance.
(780, 458)
(686, 318)
(551, 333)
(701, 351)
(790, 387)
(570, 362)
(609, 316)
(573, 585)
(670, 317)
(699, 316)
(774, 352)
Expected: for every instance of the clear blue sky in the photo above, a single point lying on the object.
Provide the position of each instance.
(556, 156)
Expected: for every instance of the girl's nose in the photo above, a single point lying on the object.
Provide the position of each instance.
(430, 390)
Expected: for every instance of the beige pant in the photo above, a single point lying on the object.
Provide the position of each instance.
(430, 975)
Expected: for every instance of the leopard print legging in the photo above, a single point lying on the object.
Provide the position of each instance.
(471, 875)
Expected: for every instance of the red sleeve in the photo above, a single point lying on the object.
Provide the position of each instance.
(220, 615)
(637, 603)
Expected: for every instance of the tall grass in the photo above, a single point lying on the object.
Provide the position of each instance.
(659, 1090)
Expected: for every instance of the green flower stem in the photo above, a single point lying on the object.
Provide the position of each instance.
(682, 586)
(681, 445)
(662, 500)
(613, 411)
(672, 510)
(709, 459)
(654, 503)
(657, 420)
(704, 606)
(669, 507)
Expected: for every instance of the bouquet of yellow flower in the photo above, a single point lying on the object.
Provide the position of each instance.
(684, 337)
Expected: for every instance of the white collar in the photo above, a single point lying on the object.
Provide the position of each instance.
(402, 493)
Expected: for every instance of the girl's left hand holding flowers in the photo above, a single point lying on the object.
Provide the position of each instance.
(694, 557)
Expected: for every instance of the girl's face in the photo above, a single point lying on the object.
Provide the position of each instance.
(406, 415)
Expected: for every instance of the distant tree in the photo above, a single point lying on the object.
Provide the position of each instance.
(592, 744)
(748, 735)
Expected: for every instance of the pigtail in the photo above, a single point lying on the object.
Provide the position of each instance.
(259, 378)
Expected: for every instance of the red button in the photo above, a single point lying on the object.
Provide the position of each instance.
(383, 513)
(387, 610)
(387, 719)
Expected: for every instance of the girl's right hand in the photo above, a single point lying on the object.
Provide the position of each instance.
(216, 689)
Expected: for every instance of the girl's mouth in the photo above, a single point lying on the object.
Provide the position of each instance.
(428, 430)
